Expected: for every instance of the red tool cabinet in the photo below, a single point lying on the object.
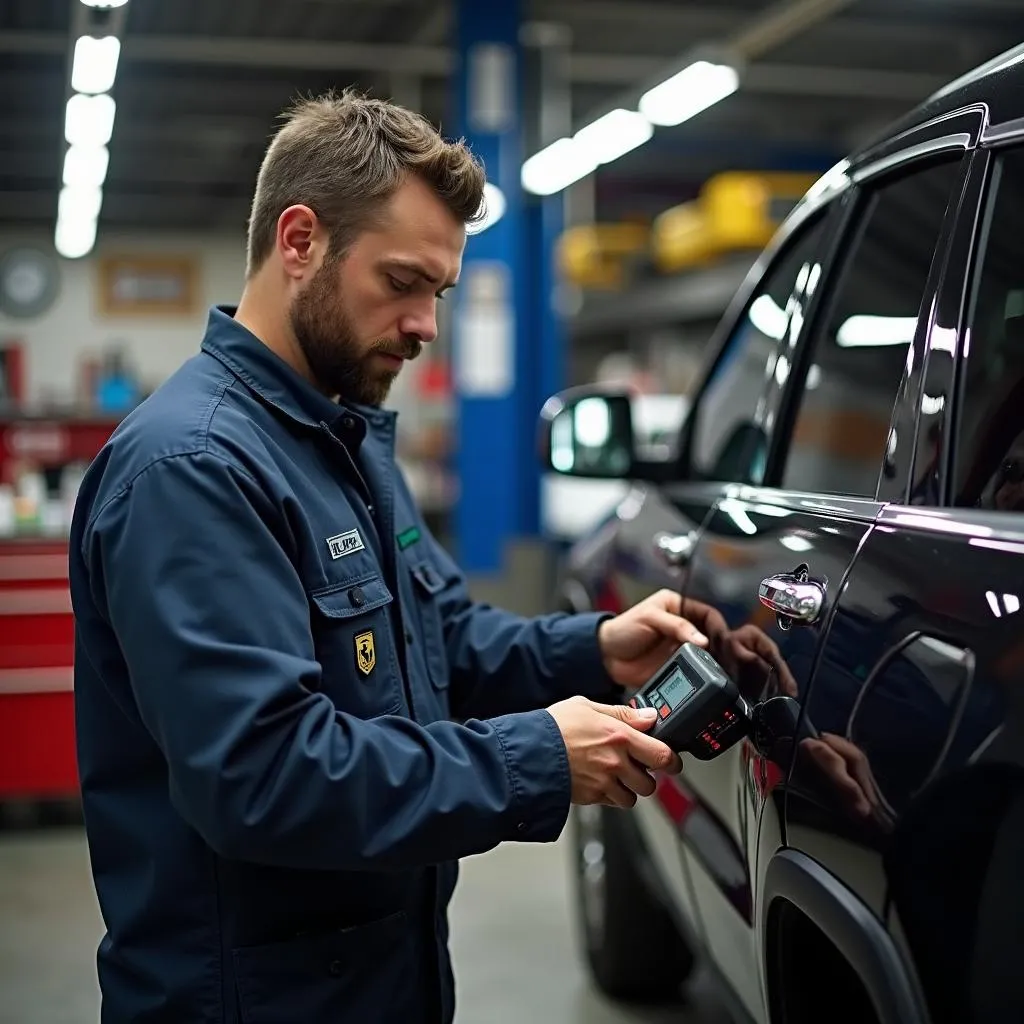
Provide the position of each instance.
(37, 733)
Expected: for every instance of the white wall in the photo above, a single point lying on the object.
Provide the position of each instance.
(73, 327)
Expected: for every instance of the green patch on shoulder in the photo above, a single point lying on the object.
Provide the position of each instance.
(408, 537)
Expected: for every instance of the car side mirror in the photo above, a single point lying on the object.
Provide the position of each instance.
(588, 432)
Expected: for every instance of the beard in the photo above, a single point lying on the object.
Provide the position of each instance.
(339, 363)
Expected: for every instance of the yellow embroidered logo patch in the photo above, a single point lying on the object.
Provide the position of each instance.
(366, 656)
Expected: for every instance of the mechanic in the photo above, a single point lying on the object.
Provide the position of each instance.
(292, 719)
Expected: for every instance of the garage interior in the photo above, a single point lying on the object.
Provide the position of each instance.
(199, 85)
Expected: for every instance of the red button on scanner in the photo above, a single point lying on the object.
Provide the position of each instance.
(664, 710)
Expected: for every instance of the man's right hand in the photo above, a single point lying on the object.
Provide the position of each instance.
(609, 754)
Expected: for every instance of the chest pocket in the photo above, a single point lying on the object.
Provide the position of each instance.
(353, 640)
(429, 584)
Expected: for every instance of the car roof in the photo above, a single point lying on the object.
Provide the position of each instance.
(997, 84)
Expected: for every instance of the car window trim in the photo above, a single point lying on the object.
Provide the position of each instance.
(962, 128)
(882, 167)
(956, 289)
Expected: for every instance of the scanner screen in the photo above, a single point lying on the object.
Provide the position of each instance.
(676, 689)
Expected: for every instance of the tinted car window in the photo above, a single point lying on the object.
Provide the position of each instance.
(726, 445)
(990, 433)
(859, 354)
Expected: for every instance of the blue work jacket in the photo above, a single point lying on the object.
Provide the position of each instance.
(292, 720)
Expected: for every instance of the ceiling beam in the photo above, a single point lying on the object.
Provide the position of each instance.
(779, 23)
(438, 61)
(290, 54)
(715, 20)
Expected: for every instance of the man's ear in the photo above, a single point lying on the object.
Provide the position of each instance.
(299, 241)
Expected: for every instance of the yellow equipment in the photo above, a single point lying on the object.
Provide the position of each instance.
(735, 211)
(593, 255)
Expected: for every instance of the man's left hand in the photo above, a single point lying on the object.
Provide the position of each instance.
(637, 642)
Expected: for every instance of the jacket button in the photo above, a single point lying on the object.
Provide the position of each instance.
(348, 423)
(336, 968)
(357, 597)
(408, 636)
(521, 827)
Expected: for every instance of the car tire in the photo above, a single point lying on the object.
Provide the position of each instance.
(633, 948)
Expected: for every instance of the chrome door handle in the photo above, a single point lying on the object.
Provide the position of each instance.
(674, 549)
(794, 597)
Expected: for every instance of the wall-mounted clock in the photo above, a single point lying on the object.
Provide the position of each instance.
(29, 281)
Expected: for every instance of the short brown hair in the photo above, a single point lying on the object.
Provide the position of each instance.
(344, 155)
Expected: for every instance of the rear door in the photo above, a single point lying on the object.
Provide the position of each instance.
(837, 372)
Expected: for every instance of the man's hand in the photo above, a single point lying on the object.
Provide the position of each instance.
(639, 641)
(610, 757)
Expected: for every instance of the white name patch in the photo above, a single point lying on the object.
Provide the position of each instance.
(342, 544)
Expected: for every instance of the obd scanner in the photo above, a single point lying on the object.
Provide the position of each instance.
(701, 712)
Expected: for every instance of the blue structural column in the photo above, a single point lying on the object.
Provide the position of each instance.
(492, 366)
(548, 117)
(544, 350)
(507, 344)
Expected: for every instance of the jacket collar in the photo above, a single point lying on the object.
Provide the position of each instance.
(270, 377)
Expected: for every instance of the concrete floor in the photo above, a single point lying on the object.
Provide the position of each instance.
(511, 940)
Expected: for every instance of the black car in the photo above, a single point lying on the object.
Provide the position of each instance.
(848, 497)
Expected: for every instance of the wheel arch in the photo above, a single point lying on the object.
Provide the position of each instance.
(794, 880)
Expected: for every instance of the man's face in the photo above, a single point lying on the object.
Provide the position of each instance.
(359, 318)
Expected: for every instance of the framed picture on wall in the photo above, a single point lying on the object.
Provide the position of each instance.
(148, 285)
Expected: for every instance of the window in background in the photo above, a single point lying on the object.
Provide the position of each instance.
(870, 316)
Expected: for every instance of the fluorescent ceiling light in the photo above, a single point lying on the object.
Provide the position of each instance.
(75, 237)
(89, 120)
(494, 205)
(687, 93)
(566, 161)
(611, 136)
(555, 167)
(864, 331)
(95, 64)
(79, 202)
(104, 4)
(86, 165)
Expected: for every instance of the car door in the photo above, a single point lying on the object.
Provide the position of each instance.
(913, 794)
(657, 526)
(793, 532)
